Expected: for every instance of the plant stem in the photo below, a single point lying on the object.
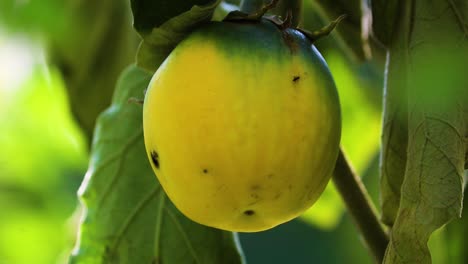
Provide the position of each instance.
(251, 6)
(361, 208)
(293, 6)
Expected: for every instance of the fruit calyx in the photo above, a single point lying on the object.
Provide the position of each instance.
(325, 31)
(281, 23)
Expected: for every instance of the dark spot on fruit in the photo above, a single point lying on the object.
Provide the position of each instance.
(249, 212)
(296, 78)
(290, 187)
(205, 171)
(254, 195)
(269, 176)
(155, 159)
(255, 187)
(278, 195)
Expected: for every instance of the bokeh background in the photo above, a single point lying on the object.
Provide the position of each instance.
(44, 143)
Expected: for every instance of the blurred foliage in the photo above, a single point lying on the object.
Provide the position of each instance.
(90, 68)
(42, 157)
(33, 17)
(90, 43)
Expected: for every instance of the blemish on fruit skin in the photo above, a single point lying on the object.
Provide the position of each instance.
(249, 212)
(290, 42)
(277, 196)
(205, 171)
(269, 176)
(255, 196)
(155, 158)
(254, 192)
(253, 203)
(296, 78)
(255, 187)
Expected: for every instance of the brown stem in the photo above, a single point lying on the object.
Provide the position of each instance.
(360, 206)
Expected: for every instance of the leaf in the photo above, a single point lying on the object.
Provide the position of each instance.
(98, 45)
(393, 161)
(395, 122)
(394, 140)
(34, 17)
(77, 37)
(432, 190)
(152, 14)
(385, 17)
(128, 217)
(163, 37)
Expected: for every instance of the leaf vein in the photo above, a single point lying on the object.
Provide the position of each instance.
(121, 231)
(159, 221)
(184, 236)
(118, 155)
(447, 123)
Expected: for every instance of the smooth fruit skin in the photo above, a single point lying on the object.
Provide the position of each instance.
(242, 125)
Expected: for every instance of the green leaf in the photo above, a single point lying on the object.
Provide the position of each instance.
(394, 138)
(91, 43)
(128, 217)
(160, 40)
(385, 17)
(432, 189)
(395, 121)
(150, 14)
(99, 44)
(35, 17)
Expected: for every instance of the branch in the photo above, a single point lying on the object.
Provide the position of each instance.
(359, 205)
